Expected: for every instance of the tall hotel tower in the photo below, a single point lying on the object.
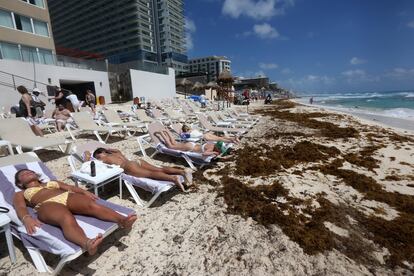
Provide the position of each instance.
(147, 31)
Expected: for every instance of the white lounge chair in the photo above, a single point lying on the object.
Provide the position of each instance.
(226, 130)
(152, 140)
(18, 132)
(47, 238)
(85, 123)
(114, 120)
(142, 116)
(156, 187)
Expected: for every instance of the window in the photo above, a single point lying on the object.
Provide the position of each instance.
(23, 23)
(46, 56)
(10, 51)
(6, 19)
(38, 3)
(40, 28)
(29, 54)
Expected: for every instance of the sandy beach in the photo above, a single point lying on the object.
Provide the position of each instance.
(308, 191)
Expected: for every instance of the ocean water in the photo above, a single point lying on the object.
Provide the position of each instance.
(398, 104)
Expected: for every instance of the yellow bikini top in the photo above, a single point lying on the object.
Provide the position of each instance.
(30, 192)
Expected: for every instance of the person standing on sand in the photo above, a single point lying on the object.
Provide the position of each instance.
(90, 99)
(27, 110)
(74, 101)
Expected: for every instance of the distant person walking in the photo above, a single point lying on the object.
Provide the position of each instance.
(74, 101)
(27, 110)
(90, 99)
(39, 105)
(311, 100)
(59, 97)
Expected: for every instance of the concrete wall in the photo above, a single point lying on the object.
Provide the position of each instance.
(9, 96)
(152, 85)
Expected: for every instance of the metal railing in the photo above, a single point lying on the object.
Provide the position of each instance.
(12, 81)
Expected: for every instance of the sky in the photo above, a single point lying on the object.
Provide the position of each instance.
(309, 45)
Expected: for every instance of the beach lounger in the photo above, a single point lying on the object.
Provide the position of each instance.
(226, 130)
(85, 123)
(114, 120)
(174, 116)
(150, 139)
(156, 187)
(142, 116)
(18, 132)
(156, 113)
(47, 238)
(217, 122)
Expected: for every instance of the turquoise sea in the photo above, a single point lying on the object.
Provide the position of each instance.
(398, 104)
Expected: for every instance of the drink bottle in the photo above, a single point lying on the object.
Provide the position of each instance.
(93, 169)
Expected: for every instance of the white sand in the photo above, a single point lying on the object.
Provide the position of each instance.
(192, 234)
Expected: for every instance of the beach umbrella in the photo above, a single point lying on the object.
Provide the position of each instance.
(212, 85)
(184, 83)
(198, 86)
(225, 80)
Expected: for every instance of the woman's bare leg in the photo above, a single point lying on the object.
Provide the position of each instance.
(139, 171)
(36, 130)
(175, 145)
(83, 205)
(59, 215)
(167, 170)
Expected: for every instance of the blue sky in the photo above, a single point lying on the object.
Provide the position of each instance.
(309, 45)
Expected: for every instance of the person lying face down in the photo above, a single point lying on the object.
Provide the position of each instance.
(56, 202)
(140, 168)
(207, 149)
(187, 132)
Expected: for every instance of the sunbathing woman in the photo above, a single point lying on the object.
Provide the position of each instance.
(187, 132)
(205, 149)
(56, 202)
(140, 168)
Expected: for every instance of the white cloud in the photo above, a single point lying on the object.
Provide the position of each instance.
(356, 61)
(354, 73)
(411, 24)
(287, 71)
(400, 73)
(190, 28)
(265, 31)
(268, 66)
(358, 75)
(256, 9)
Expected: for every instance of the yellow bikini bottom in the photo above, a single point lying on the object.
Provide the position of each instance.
(61, 199)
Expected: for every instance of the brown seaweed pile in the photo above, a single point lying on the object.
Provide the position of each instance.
(307, 228)
(396, 235)
(265, 160)
(325, 129)
(364, 157)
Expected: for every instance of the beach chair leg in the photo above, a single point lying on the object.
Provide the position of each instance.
(19, 149)
(38, 260)
(149, 203)
(72, 135)
(189, 162)
(134, 194)
(141, 147)
(68, 148)
(98, 136)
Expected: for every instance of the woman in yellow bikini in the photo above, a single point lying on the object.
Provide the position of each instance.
(56, 202)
